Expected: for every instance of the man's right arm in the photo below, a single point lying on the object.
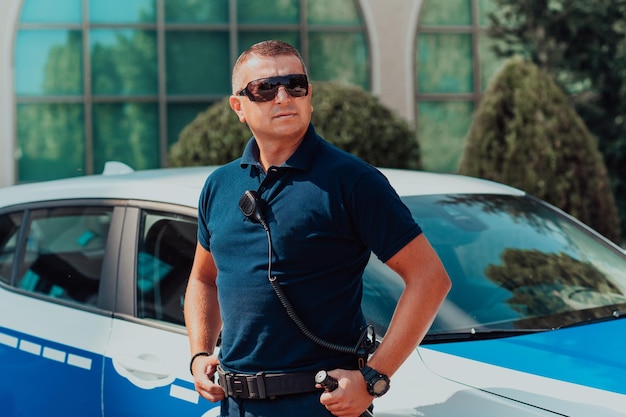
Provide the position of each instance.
(203, 322)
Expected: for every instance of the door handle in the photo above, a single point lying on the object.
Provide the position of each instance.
(145, 370)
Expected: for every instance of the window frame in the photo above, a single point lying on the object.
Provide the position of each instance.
(117, 295)
(162, 99)
(107, 282)
(476, 29)
(167, 287)
(125, 299)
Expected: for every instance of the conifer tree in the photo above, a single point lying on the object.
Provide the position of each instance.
(582, 44)
(525, 133)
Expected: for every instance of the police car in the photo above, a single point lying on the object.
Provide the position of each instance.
(93, 272)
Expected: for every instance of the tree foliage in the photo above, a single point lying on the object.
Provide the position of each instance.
(582, 44)
(346, 116)
(525, 133)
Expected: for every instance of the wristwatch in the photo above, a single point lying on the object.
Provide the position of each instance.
(377, 383)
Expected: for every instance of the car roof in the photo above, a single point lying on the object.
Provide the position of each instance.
(407, 182)
(182, 185)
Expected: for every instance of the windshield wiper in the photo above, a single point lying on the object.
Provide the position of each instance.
(616, 314)
(476, 334)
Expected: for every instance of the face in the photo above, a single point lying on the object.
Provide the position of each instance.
(285, 118)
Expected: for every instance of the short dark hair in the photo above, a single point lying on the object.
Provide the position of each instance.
(268, 48)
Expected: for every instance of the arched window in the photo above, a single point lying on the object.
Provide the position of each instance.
(453, 65)
(99, 80)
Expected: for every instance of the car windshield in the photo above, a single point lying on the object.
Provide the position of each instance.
(516, 265)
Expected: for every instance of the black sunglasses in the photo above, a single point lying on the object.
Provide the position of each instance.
(265, 89)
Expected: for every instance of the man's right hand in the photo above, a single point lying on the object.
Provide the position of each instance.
(204, 369)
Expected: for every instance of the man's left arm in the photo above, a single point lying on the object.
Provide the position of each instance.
(427, 285)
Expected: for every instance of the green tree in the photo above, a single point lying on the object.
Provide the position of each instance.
(583, 45)
(525, 133)
(346, 116)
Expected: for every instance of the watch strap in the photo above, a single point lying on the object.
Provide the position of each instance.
(372, 376)
(368, 372)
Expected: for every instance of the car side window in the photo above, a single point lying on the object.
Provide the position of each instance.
(9, 229)
(64, 252)
(164, 258)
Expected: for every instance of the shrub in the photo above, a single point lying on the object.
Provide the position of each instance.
(526, 134)
(346, 116)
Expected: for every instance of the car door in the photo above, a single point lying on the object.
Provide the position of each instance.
(54, 262)
(146, 369)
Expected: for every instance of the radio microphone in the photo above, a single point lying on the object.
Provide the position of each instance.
(253, 207)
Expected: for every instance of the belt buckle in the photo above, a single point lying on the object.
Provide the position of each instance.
(239, 386)
(243, 386)
(260, 385)
(236, 386)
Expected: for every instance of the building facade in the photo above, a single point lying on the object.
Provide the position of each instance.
(88, 81)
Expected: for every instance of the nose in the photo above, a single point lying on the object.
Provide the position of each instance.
(282, 94)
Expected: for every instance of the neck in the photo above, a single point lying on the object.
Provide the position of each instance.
(276, 153)
(275, 150)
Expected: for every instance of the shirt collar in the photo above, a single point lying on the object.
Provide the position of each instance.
(301, 159)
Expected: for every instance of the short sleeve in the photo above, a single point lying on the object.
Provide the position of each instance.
(383, 221)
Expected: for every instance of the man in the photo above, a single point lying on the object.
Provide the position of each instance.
(321, 212)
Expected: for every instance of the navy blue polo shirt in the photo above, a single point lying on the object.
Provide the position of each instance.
(326, 210)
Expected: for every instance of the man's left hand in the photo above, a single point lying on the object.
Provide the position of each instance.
(350, 398)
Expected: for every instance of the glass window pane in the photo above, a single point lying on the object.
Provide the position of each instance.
(247, 39)
(127, 133)
(490, 64)
(196, 11)
(339, 57)
(122, 11)
(446, 13)
(164, 258)
(444, 63)
(484, 8)
(123, 62)
(268, 11)
(343, 12)
(179, 116)
(48, 62)
(51, 141)
(39, 11)
(65, 251)
(442, 128)
(198, 63)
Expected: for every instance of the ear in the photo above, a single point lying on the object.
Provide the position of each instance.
(311, 94)
(235, 104)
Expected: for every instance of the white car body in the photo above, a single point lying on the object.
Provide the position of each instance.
(122, 365)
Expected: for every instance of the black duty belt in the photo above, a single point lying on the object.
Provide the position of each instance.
(263, 386)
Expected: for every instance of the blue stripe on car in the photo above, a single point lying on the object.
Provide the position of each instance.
(591, 355)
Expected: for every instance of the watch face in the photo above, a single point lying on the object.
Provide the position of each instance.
(381, 386)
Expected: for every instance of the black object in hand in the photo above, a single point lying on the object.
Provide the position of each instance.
(330, 384)
(326, 381)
